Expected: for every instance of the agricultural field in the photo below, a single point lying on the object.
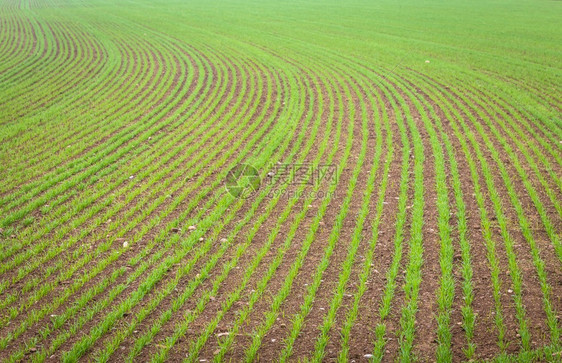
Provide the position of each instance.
(244, 180)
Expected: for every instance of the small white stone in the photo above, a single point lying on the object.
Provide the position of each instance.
(191, 228)
(273, 340)
(509, 291)
(427, 61)
(131, 177)
(368, 356)
(125, 244)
